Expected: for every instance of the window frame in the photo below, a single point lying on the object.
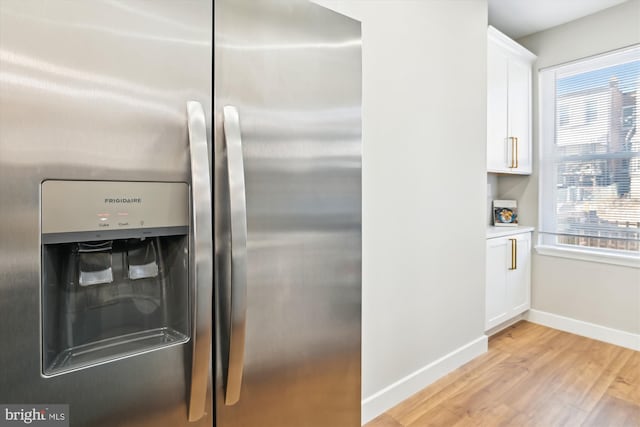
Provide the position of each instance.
(547, 126)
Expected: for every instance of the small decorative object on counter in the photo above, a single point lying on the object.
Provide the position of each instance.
(505, 213)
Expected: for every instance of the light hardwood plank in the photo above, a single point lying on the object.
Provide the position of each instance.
(612, 412)
(384, 420)
(588, 380)
(442, 390)
(531, 376)
(626, 385)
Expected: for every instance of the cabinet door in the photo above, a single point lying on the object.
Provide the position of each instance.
(519, 132)
(498, 256)
(519, 278)
(497, 98)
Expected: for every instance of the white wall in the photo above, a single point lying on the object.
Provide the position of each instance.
(424, 189)
(492, 194)
(603, 294)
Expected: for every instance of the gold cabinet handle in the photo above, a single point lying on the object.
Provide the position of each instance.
(514, 254)
(513, 148)
(516, 140)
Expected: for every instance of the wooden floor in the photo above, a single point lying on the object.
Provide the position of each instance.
(531, 376)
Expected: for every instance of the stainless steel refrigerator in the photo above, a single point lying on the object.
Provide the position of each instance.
(105, 213)
(287, 178)
(111, 311)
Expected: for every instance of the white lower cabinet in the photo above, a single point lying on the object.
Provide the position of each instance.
(508, 291)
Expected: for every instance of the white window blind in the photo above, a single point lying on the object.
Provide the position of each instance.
(590, 154)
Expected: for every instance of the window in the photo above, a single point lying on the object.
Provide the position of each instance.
(563, 114)
(590, 155)
(628, 116)
(591, 111)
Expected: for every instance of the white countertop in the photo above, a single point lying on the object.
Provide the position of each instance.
(506, 231)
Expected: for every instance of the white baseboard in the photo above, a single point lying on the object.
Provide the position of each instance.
(395, 393)
(586, 329)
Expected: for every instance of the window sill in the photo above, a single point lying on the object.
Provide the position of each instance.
(589, 255)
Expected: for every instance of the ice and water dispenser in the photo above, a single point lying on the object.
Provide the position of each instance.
(115, 270)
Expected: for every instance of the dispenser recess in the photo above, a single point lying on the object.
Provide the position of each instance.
(115, 271)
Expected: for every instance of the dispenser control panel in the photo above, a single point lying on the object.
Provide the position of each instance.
(96, 207)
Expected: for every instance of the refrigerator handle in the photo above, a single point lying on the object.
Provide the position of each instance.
(202, 256)
(238, 220)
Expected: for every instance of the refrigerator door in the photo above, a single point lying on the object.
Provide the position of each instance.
(287, 103)
(98, 91)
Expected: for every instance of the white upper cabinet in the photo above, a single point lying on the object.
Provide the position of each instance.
(508, 105)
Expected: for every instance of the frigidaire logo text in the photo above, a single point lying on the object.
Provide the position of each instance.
(123, 200)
